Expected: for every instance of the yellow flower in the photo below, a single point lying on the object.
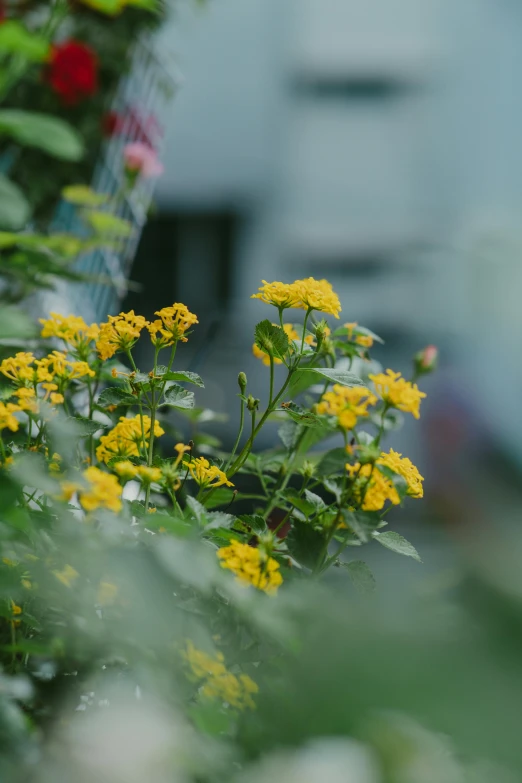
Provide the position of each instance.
(181, 449)
(374, 488)
(126, 438)
(172, 325)
(347, 403)
(148, 475)
(398, 392)
(67, 576)
(207, 475)
(60, 366)
(7, 419)
(72, 329)
(291, 333)
(405, 468)
(54, 465)
(216, 682)
(19, 367)
(103, 491)
(251, 566)
(120, 333)
(359, 339)
(318, 295)
(282, 295)
(107, 592)
(125, 470)
(15, 609)
(26, 399)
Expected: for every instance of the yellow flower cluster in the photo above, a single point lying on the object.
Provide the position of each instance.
(251, 566)
(307, 294)
(172, 324)
(72, 329)
(99, 490)
(217, 683)
(51, 372)
(207, 475)
(7, 418)
(374, 488)
(126, 438)
(348, 404)
(291, 333)
(397, 392)
(365, 340)
(120, 333)
(126, 470)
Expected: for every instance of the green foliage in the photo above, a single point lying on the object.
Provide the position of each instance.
(50, 134)
(14, 208)
(271, 339)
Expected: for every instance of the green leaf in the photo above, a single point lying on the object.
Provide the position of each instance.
(210, 718)
(316, 501)
(197, 508)
(85, 426)
(302, 415)
(180, 375)
(16, 39)
(218, 519)
(83, 196)
(362, 578)
(397, 543)
(290, 433)
(14, 207)
(105, 224)
(254, 523)
(115, 396)
(222, 496)
(305, 544)
(271, 339)
(178, 397)
(343, 377)
(333, 462)
(47, 133)
(362, 523)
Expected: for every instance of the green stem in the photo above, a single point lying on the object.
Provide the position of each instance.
(241, 425)
(271, 397)
(152, 425)
(304, 329)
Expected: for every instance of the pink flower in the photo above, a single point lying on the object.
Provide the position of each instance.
(426, 360)
(141, 159)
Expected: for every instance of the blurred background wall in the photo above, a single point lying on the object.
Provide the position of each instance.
(373, 143)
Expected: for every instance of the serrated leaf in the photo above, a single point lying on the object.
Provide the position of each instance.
(83, 196)
(197, 508)
(316, 501)
(289, 432)
(85, 426)
(180, 375)
(115, 396)
(271, 339)
(343, 377)
(305, 544)
(178, 397)
(222, 496)
(397, 543)
(218, 519)
(253, 522)
(362, 578)
(302, 415)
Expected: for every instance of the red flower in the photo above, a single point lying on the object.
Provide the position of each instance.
(73, 71)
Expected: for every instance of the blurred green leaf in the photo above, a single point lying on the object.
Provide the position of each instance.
(105, 224)
(271, 339)
(14, 207)
(180, 375)
(115, 396)
(84, 196)
(44, 131)
(362, 578)
(16, 39)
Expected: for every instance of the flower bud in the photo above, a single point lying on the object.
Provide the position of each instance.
(425, 361)
(242, 381)
(308, 469)
(252, 403)
(367, 455)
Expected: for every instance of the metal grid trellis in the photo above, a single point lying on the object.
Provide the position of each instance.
(139, 109)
